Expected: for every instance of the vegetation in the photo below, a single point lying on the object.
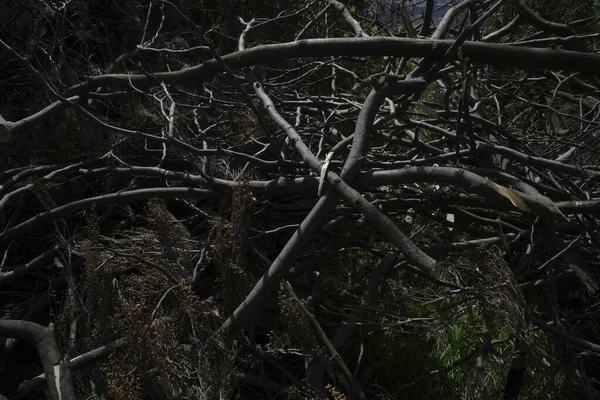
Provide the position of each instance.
(315, 199)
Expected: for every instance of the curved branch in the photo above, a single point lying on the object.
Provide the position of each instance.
(548, 26)
(60, 384)
(39, 116)
(76, 363)
(574, 340)
(477, 52)
(111, 198)
(538, 204)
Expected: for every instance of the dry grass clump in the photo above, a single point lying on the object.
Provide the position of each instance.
(333, 393)
(503, 302)
(245, 125)
(173, 236)
(121, 381)
(134, 287)
(229, 251)
(298, 326)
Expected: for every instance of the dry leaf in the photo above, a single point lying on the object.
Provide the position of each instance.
(324, 172)
(513, 197)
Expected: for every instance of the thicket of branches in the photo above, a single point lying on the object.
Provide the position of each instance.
(299, 199)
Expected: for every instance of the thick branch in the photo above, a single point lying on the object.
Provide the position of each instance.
(76, 363)
(60, 384)
(482, 53)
